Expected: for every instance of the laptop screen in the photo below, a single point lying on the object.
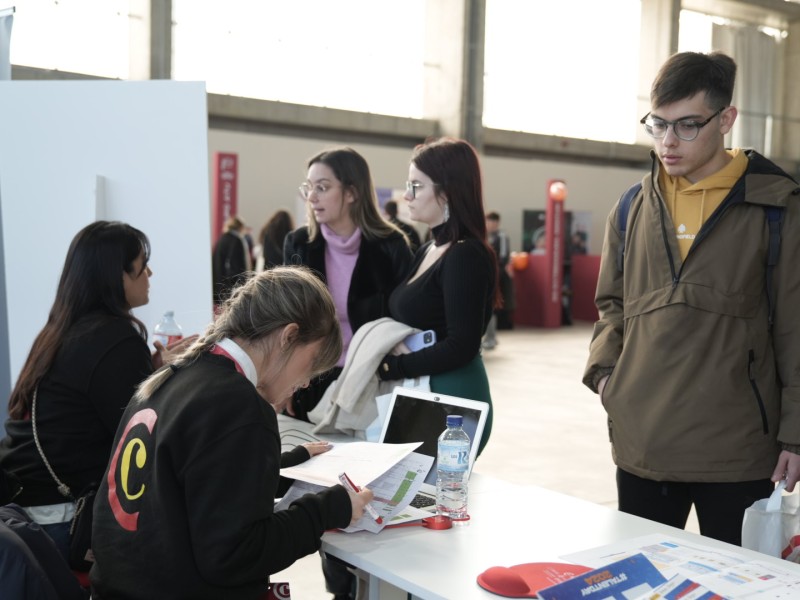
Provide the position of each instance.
(415, 419)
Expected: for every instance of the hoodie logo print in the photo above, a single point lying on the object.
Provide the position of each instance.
(682, 235)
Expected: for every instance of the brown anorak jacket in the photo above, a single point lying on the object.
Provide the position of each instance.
(701, 389)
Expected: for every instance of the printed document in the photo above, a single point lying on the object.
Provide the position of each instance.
(393, 490)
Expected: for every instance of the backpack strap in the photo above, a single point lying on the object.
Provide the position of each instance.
(623, 208)
(774, 221)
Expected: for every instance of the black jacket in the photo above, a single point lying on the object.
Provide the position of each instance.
(186, 507)
(80, 402)
(381, 265)
(228, 265)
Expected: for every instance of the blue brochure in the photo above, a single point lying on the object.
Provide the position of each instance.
(628, 578)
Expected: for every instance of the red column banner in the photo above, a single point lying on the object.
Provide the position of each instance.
(223, 200)
(554, 244)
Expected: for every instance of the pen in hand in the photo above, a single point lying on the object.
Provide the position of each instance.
(352, 487)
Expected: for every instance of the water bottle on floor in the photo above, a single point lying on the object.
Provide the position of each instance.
(453, 470)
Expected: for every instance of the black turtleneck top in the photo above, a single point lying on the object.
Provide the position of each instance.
(453, 298)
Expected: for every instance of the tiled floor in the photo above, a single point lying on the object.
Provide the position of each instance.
(549, 430)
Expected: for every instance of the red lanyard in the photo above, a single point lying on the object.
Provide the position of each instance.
(216, 349)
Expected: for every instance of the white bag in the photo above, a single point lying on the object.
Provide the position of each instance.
(772, 525)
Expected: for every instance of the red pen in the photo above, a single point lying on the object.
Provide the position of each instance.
(350, 486)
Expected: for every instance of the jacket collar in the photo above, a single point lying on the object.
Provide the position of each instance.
(765, 183)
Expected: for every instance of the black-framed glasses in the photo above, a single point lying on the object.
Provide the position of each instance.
(413, 186)
(685, 129)
(320, 188)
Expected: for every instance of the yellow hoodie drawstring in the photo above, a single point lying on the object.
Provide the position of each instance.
(701, 220)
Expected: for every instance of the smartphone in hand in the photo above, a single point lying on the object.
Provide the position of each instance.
(418, 341)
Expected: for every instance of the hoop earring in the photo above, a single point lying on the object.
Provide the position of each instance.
(446, 213)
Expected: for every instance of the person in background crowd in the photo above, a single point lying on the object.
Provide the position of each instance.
(186, 507)
(498, 240)
(451, 287)
(695, 356)
(82, 370)
(350, 247)
(230, 261)
(411, 232)
(272, 236)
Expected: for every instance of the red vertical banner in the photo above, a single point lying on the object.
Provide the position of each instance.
(223, 201)
(554, 250)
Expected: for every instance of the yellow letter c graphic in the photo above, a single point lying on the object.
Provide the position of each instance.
(135, 447)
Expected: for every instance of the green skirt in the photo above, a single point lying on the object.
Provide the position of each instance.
(471, 382)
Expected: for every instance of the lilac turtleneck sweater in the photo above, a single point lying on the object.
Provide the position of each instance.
(341, 255)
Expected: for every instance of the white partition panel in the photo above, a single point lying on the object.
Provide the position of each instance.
(75, 151)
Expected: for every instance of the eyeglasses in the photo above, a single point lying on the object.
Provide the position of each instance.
(306, 189)
(413, 186)
(686, 129)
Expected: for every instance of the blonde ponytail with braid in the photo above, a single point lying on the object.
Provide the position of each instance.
(262, 305)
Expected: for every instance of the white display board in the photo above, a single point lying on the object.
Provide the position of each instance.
(72, 152)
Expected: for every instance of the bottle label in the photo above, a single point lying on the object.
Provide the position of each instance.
(453, 457)
(165, 339)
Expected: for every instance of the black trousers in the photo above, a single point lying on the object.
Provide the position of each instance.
(720, 506)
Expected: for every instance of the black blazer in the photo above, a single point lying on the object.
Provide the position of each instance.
(381, 265)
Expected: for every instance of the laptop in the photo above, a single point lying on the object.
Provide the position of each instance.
(417, 416)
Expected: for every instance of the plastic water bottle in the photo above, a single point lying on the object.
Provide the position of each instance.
(453, 470)
(167, 329)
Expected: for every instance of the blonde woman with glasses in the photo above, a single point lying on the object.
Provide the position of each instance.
(350, 247)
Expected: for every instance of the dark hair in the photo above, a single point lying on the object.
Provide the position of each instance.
(275, 230)
(493, 216)
(91, 281)
(455, 170)
(391, 208)
(352, 171)
(688, 73)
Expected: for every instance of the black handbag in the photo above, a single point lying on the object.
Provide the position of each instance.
(80, 556)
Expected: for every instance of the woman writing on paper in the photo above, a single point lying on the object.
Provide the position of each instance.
(452, 285)
(186, 506)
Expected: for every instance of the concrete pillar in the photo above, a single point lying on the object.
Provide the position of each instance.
(161, 39)
(660, 22)
(150, 33)
(454, 49)
(790, 140)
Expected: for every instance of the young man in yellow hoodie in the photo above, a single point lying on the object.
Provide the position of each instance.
(696, 361)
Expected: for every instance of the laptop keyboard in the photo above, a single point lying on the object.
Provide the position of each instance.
(422, 501)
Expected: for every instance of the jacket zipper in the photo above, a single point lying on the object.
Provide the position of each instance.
(751, 358)
(701, 235)
(675, 276)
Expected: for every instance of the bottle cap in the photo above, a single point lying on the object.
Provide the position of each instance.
(169, 313)
(455, 420)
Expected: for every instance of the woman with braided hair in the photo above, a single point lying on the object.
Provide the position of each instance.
(186, 506)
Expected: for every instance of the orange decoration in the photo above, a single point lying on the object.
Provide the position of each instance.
(558, 191)
(519, 260)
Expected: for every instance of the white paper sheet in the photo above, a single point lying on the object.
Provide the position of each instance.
(393, 491)
(362, 461)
